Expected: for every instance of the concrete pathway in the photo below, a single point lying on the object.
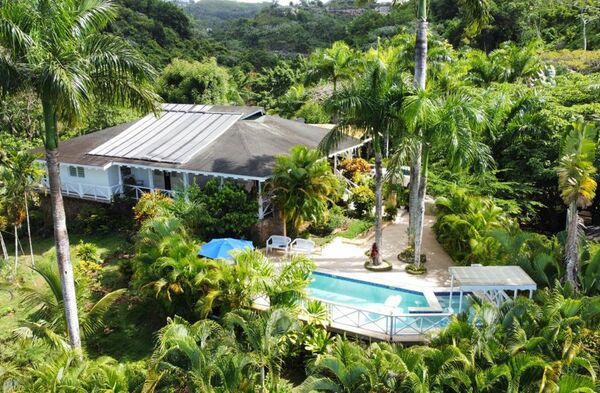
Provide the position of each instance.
(347, 257)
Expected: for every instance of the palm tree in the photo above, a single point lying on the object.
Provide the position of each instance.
(57, 49)
(3, 212)
(199, 353)
(344, 370)
(20, 175)
(478, 12)
(335, 63)
(367, 105)
(302, 186)
(577, 185)
(446, 123)
(3, 225)
(231, 287)
(167, 265)
(46, 303)
(264, 336)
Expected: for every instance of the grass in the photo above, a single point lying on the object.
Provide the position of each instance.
(129, 329)
(353, 228)
(356, 228)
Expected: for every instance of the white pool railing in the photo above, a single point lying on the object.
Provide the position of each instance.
(393, 325)
(390, 325)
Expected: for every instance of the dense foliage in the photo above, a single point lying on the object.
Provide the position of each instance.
(508, 126)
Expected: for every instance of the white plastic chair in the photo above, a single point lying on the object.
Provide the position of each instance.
(277, 242)
(302, 246)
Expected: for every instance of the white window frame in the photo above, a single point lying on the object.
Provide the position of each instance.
(76, 171)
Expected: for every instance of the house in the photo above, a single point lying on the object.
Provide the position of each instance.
(185, 144)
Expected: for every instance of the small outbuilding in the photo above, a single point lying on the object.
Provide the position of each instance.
(489, 282)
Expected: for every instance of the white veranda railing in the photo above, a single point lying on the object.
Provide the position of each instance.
(90, 191)
(138, 191)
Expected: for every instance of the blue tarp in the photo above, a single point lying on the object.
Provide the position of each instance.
(221, 248)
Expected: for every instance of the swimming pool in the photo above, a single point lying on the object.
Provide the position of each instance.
(362, 294)
(381, 309)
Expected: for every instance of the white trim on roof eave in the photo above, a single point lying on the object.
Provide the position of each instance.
(195, 172)
(349, 148)
(103, 167)
(503, 287)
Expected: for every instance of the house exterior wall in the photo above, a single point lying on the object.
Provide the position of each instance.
(113, 175)
(92, 176)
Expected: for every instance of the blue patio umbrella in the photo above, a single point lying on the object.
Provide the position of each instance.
(221, 248)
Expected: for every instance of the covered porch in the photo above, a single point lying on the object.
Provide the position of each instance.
(137, 180)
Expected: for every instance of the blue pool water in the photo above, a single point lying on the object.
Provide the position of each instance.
(363, 295)
(379, 308)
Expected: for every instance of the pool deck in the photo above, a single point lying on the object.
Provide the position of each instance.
(347, 257)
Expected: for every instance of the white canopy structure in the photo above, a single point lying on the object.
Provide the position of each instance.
(490, 282)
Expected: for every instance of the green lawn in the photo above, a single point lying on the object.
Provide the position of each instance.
(128, 335)
(353, 228)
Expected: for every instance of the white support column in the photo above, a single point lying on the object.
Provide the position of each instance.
(186, 184)
(261, 213)
(221, 182)
(530, 293)
(151, 179)
(460, 302)
(515, 294)
(334, 163)
(120, 190)
(186, 180)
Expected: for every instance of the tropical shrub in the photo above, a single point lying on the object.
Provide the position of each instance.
(150, 205)
(196, 82)
(303, 186)
(166, 266)
(87, 252)
(89, 262)
(217, 211)
(391, 211)
(92, 220)
(351, 166)
(363, 200)
(333, 220)
(312, 113)
(464, 225)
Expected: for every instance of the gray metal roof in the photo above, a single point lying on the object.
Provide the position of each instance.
(245, 149)
(493, 277)
(178, 134)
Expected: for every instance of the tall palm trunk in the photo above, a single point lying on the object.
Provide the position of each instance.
(571, 252)
(417, 192)
(420, 213)
(61, 236)
(413, 197)
(262, 379)
(29, 230)
(378, 205)
(584, 32)
(3, 245)
(16, 254)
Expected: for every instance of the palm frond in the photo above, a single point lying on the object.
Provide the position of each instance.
(92, 321)
(94, 15)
